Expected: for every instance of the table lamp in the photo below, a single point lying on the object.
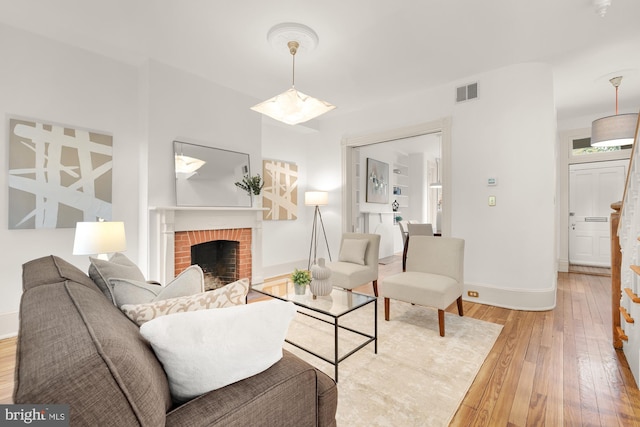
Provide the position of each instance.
(99, 238)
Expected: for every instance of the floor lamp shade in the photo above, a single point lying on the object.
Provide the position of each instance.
(102, 237)
(316, 198)
(614, 131)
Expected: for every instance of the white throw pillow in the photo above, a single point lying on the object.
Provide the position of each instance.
(209, 349)
(353, 250)
(125, 291)
(231, 294)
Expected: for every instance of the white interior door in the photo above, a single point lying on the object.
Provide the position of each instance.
(593, 187)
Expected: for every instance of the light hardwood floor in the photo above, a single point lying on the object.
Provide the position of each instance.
(552, 368)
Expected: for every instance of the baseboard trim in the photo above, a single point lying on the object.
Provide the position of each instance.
(563, 265)
(282, 269)
(514, 299)
(9, 324)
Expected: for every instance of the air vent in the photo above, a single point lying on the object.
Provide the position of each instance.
(465, 93)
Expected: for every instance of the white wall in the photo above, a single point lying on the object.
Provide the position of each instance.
(45, 80)
(147, 107)
(188, 108)
(286, 243)
(511, 136)
(508, 133)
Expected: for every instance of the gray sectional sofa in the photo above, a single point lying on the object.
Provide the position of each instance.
(75, 347)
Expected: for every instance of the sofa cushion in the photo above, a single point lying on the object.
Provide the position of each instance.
(231, 294)
(209, 349)
(291, 392)
(125, 291)
(75, 347)
(118, 266)
(353, 250)
(52, 269)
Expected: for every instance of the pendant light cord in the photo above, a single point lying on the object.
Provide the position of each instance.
(293, 80)
(615, 81)
(293, 49)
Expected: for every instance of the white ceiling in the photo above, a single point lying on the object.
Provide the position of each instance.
(369, 50)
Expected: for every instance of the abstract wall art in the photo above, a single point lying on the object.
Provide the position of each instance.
(280, 191)
(58, 175)
(377, 181)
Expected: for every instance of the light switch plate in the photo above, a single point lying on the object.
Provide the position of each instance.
(492, 200)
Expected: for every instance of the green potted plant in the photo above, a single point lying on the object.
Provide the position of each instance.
(300, 279)
(251, 184)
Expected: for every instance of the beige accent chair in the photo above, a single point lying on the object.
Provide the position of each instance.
(419, 229)
(434, 276)
(357, 262)
(404, 230)
(414, 229)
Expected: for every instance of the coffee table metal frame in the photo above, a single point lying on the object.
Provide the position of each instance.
(300, 300)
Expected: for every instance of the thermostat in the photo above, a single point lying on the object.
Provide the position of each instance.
(492, 181)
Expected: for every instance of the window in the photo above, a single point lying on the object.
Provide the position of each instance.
(583, 146)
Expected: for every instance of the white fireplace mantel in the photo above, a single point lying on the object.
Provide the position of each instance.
(166, 220)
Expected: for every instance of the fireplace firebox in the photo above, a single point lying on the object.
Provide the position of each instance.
(218, 260)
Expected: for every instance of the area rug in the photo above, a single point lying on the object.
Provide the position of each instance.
(417, 378)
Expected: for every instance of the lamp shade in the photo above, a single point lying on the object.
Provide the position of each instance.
(293, 107)
(102, 237)
(614, 131)
(316, 198)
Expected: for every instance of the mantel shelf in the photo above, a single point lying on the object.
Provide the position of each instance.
(372, 212)
(203, 208)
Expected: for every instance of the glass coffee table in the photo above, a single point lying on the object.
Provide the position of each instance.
(342, 302)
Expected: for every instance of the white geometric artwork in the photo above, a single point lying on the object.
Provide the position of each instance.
(280, 191)
(57, 175)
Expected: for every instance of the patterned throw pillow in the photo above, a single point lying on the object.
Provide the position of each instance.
(229, 295)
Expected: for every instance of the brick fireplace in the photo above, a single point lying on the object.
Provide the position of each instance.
(224, 255)
(174, 230)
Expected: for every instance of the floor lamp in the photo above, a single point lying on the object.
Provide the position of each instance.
(317, 199)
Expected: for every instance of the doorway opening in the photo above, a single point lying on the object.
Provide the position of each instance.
(416, 156)
(578, 158)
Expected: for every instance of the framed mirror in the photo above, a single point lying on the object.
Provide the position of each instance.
(206, 176)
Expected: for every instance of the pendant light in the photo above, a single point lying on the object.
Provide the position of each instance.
(614, 131)
(292, 106)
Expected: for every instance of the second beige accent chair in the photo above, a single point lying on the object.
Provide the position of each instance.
(434, 276)
(357, 262)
